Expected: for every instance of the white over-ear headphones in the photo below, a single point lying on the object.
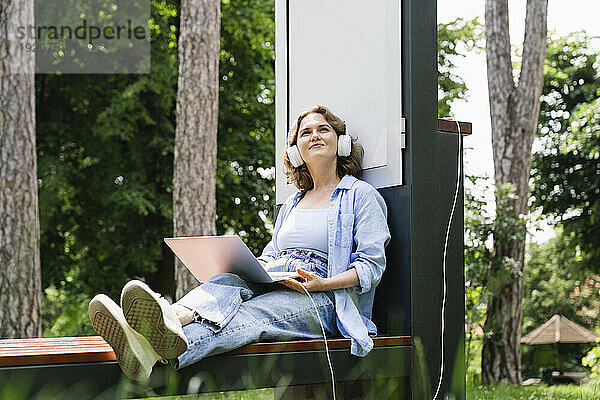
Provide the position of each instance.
(344, 149)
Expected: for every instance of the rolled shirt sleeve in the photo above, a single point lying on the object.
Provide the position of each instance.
(371, 236)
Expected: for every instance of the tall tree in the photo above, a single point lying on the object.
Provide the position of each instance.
(20, 280)
(195, 158)
(514, 110)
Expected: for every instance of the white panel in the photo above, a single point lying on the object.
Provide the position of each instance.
(282, 189)
(344, 55)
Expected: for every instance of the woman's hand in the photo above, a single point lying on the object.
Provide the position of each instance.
(313, 283)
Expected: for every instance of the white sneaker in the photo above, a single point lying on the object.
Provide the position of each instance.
(153, 317)
(134, 354)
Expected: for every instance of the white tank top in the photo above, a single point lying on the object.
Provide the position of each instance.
(304, 229)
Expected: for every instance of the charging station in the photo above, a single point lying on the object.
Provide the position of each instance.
(374, 64)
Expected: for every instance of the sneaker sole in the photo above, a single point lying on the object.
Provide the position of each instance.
(135, 361)
(145, 315)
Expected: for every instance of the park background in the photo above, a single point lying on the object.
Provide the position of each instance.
(105, 169)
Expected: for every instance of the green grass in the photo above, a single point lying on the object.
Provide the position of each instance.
(474, 392)
(541, 392)
(259, 394)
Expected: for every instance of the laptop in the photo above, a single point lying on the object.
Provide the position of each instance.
(206, 256)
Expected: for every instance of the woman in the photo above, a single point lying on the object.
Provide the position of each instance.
(332, 231)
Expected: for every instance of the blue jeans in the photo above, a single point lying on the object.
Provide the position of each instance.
(230, 313)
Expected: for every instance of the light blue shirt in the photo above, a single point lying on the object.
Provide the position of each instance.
(358, 234)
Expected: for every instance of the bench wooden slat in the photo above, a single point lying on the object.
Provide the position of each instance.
(42, 351)
(316, 344)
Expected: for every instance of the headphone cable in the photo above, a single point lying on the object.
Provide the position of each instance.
(324, 338)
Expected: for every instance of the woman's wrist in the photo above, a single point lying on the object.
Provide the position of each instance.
(328, 285)
(341, 281)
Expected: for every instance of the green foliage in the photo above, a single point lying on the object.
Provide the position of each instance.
(65, 313)
(246, 140)
(592, 360)
(556, 284)
(105, 163)
(482, 228)
(566, 169)
(513, 392)
(485, 273)
(105, 170)
(570, 79)
(478, 223)
(454, 39)
(256, 394)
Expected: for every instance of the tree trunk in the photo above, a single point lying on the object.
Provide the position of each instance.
(514, 114)
(20, 279)
(194, 180)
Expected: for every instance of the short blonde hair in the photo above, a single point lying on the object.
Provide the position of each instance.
(350, 165)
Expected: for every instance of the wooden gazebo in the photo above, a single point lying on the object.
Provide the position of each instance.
(559, 329)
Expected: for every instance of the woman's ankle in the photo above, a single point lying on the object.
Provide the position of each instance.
(185, 315)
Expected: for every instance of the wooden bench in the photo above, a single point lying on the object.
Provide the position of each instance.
(86, 349)
(56, 365)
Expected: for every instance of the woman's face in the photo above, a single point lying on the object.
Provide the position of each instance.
(316, 140)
